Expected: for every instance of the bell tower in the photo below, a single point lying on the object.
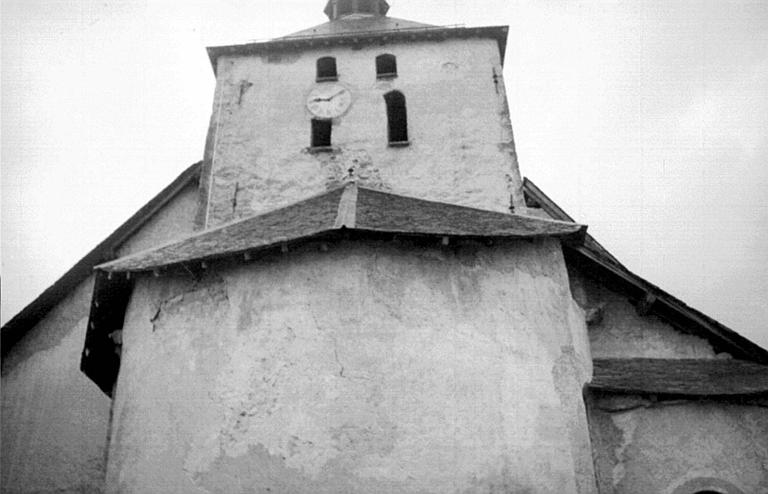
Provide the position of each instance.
(394, 105)
(364, 309)
(337, 9)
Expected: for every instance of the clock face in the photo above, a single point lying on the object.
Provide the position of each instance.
(329, 101)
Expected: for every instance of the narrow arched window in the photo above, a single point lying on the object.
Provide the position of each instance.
(386, 66)
(396, 117)
(326, 69)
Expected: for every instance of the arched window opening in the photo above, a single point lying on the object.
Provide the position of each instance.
(321, 133)
(326, 69)
(707, 485)
(397, 118)
(386, 66)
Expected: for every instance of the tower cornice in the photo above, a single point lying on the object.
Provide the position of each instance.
(357, 38)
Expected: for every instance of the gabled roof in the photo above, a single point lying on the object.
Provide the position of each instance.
(14, 329)
(596, 261)
(349, 208)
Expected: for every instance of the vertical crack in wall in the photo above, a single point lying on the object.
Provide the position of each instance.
(244, 87)
(336, 356)
(234, 197)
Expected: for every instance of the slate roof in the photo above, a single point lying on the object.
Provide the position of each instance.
(359, 25)
(350, 208)
(690, 377)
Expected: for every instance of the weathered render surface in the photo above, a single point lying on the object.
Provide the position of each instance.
(54, 419)
(621, 332)
(461, 145)
(373, 367)
(174, 221)
(680, 446)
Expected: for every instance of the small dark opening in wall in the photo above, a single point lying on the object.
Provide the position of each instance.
(386, 66)
(100, 359)
(326, 69)
(396, 117)
(321, 133)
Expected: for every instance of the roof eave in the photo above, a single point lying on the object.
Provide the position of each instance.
(36, 310)
(670, 308)
(498, 33)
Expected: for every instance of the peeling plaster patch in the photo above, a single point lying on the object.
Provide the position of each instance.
(199, 295)
(350, 163)
(627, 424)
(362, 369)
(667, 443)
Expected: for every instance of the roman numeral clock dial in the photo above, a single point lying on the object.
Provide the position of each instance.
(329, 101)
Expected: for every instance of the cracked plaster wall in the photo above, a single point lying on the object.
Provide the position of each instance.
(54, 419)
(461, 145)
(679, 447)
(373, 367)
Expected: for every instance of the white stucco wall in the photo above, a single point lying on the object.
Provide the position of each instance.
(373, 367)
(623, 333)
(54, 419)
(680, 447)
(461, 147)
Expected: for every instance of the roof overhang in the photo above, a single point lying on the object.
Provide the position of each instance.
(293, 43)
(346, 209)
(595, 261)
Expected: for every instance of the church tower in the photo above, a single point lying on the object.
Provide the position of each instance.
(365, 307)
(395, 105)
